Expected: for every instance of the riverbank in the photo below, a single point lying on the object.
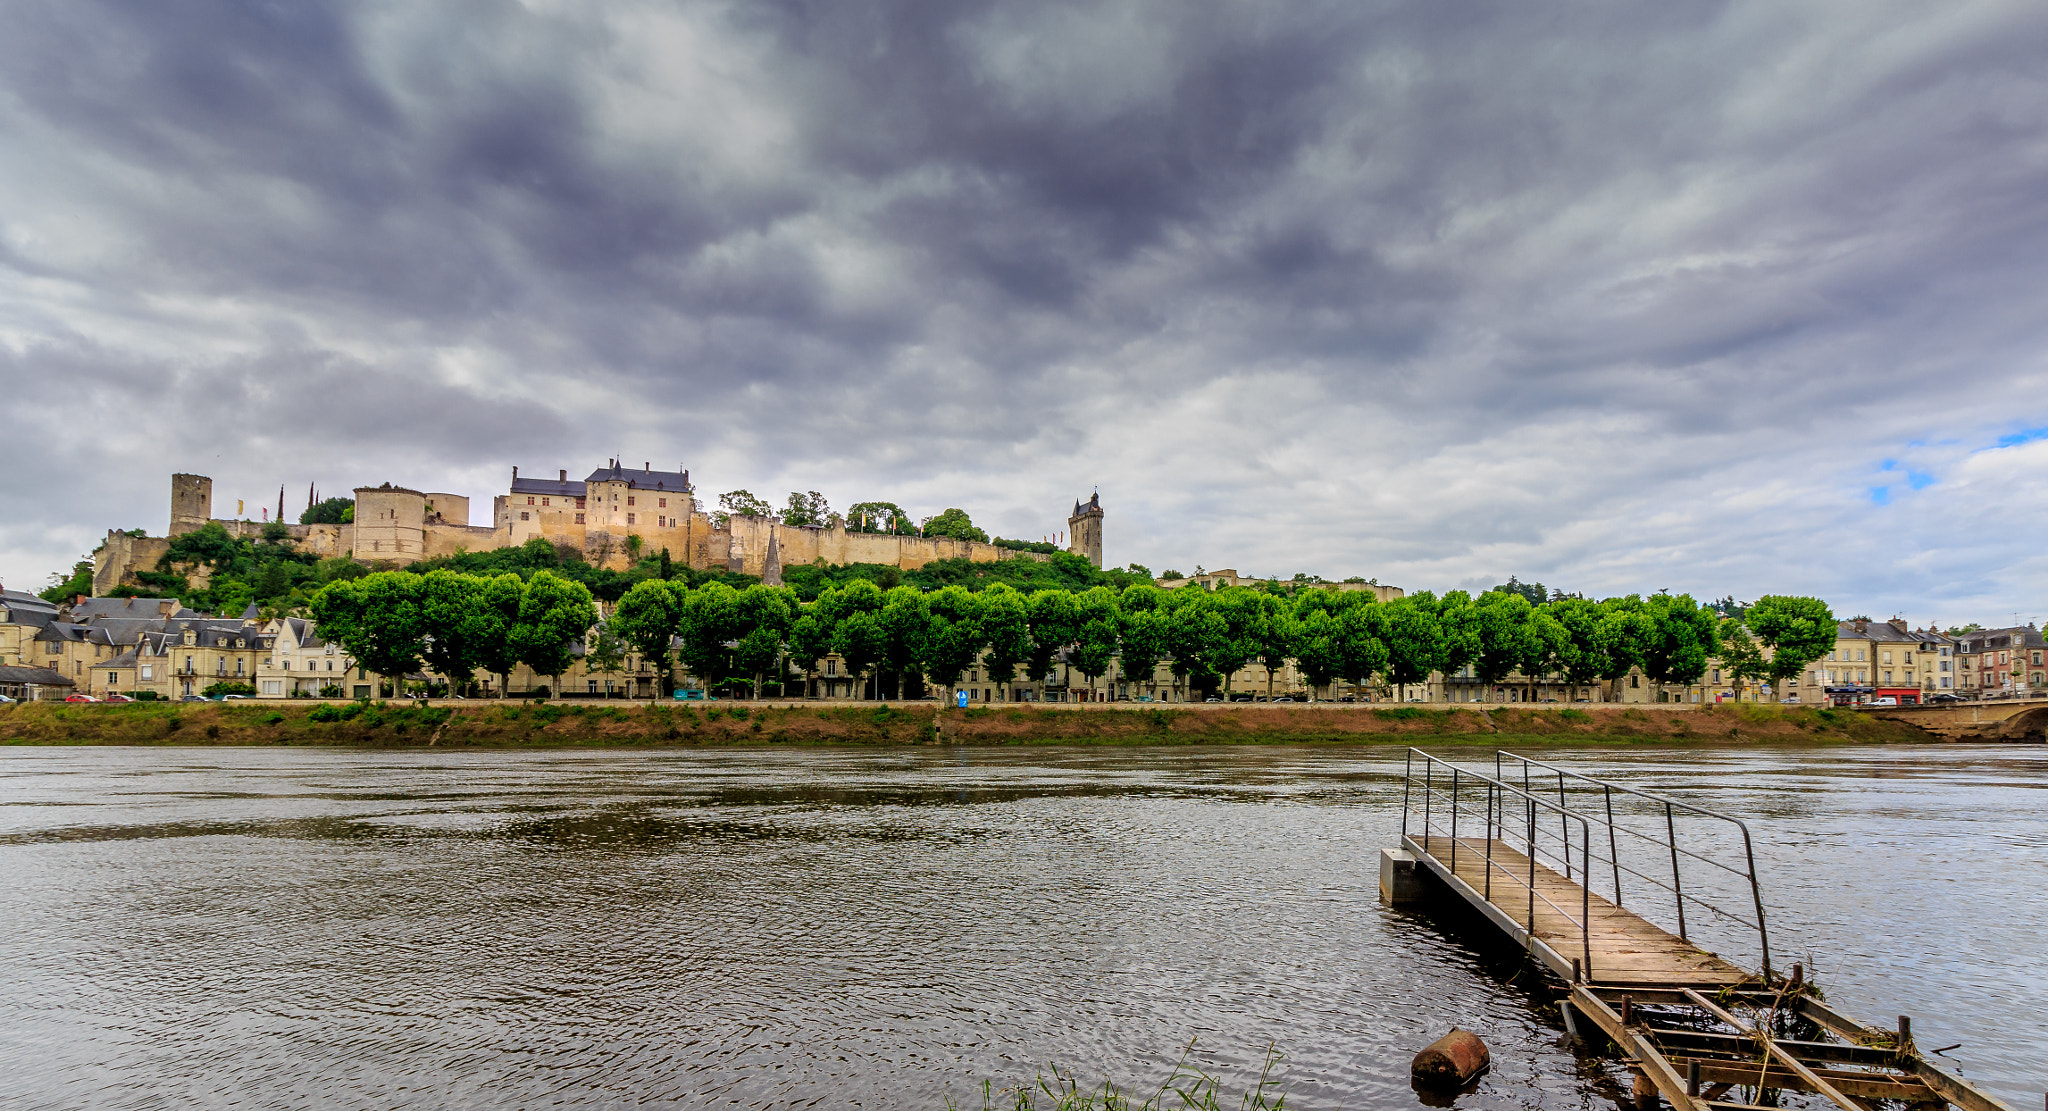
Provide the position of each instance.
(499, 725)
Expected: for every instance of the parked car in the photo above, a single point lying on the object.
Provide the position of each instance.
(225, 697)
(192, 698)
(1212, 700)
(1887, 700)
(117, 698)
(81, 698)
(692, 694)
(1349, 698)
(1283, 698)
(1944, 698)
(5, 699)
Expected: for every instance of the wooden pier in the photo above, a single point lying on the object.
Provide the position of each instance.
(1569, 867)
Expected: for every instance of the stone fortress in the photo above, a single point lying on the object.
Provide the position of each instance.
(613, 516)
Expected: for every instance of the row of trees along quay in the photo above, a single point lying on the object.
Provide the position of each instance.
(748, 635)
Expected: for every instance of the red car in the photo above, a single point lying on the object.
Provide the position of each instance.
(81, 698)
(117, 698)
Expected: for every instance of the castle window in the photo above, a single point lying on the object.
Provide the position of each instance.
(579, 503)
(664, 504)
(524, 516)
(579, 518)
(529, 501)
(629, 516)
(543, 501)
(629, 499)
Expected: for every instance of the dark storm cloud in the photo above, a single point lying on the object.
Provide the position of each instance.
(1429, 292)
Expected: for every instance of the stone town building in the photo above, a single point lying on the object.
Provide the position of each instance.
(612, 516)
(2012, 661)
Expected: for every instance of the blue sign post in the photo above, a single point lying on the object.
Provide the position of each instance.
(961, 697)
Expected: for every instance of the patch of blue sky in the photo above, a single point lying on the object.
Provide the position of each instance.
(1919, 480)
(2024, 436)
(1880, 495)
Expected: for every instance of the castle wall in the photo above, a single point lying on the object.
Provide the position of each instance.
(746, 546)
(390, 525)
(191, 503)
(121, 556)
(452, 509)
(447, 540)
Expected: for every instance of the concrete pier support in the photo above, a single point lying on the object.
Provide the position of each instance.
(1400, 879)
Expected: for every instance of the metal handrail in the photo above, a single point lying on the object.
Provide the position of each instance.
(1669, 842)
(1497, 794)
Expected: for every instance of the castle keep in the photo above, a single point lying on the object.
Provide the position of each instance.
(613, 516)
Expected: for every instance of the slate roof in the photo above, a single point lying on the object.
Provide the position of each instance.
(2021, 636)
(26, 609)
(523, 485)
(101, 609)
(125, 659)
(677, 482)
(40, 676)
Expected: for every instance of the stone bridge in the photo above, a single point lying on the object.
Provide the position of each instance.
(2017, 719)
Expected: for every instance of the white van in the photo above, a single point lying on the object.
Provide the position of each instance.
(1887, 700)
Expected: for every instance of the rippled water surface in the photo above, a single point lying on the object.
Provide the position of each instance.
(299, 928)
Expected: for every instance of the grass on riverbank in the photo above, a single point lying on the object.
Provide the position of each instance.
(498, 725)
(1187, 1089)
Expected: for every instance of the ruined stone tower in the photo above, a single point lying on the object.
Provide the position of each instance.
(191, 503)
(1084, 530)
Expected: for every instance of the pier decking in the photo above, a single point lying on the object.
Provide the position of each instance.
(1571, 868)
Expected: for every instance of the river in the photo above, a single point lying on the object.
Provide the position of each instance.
(888, 928)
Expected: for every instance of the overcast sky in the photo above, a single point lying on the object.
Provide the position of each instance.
(1724, 298)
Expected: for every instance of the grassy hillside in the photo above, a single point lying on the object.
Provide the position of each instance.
(497, 725)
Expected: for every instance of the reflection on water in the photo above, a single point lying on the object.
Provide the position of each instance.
(836, 928)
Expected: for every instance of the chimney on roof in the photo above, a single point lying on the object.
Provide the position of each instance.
(1898, 623)
(515, 472)
(563, 474)
(647, 468)
(1862, 626)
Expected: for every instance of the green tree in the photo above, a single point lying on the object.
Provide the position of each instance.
(1409, 629)
(857, 631)
(955, 639)
(650, 617)
(1534, 592)
(1095, 633)
(1141, 632)
(1055, 622)
(1362, 650)
(377, 620)
(879, 516)
(603, 650)
(1193, 632)
(64, 588)
(332, 511)
(497, 614)
(806, 509)
(1457, 636)
(1496, 625)
(954, 523)
(1797, 629)
(810, 636)
(709, 627)
(554, 612)
(1741, 657)
(454, 624)
(740, 503)
(1549, 646)
(1006, 627)
(1318, 647)
(1245, 618)
(1276, 634)
(906, 625)
(762, 616)
(1682, 641)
